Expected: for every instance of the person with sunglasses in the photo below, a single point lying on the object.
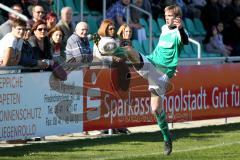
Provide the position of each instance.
(41, 43)
(29, 57)
(106, 29)
(120, 74)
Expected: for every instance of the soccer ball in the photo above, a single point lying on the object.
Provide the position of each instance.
(107, 46)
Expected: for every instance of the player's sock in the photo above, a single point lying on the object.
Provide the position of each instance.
(163, 124)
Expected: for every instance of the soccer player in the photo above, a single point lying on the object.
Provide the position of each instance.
(164, 58)
(160, 66)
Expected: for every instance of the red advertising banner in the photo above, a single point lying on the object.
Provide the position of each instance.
(204, 92)
(113, 107)
(199, 92)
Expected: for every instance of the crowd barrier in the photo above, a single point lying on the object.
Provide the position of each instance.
(38, 104)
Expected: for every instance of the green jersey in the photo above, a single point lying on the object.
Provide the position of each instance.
(165, 55)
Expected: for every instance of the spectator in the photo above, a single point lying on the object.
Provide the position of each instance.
(125, 34)
(11, 45)
(226, 11)
(78, 48)
(51, 20)
(199, 3)
(139, 32)
(106, 29)
(157, 8)
(8, 3)
(38, 14)
(28, 57)
(236, 7)
(56, 36)
(210, 14)
(120, 76)
(229, 39)
(6, 27)
(26, 7)
(117, 13)
(145, 5)
(193, 11)
(215, 41)
(47, 5)
(40, 42)
(65, 23)
(188, 10)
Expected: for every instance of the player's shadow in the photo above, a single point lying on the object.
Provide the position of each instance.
(136, 139)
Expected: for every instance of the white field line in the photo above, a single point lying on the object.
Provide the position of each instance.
(174, 151)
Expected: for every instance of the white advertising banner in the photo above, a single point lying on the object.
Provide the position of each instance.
(38, 104)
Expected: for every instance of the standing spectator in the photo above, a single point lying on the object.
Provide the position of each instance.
(28, 57)
(125, 34)
(78, 48)
(106, 29)
(40, 41)
(11, 45)
(51, 20)
(38, 13)
(6, 27)
(65, 23)
(56, 36)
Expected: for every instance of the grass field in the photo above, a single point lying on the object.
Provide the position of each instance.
(205, 143)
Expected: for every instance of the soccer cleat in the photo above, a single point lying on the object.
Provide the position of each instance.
(168, 147)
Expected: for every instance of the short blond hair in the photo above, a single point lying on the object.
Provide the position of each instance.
(176, 10)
